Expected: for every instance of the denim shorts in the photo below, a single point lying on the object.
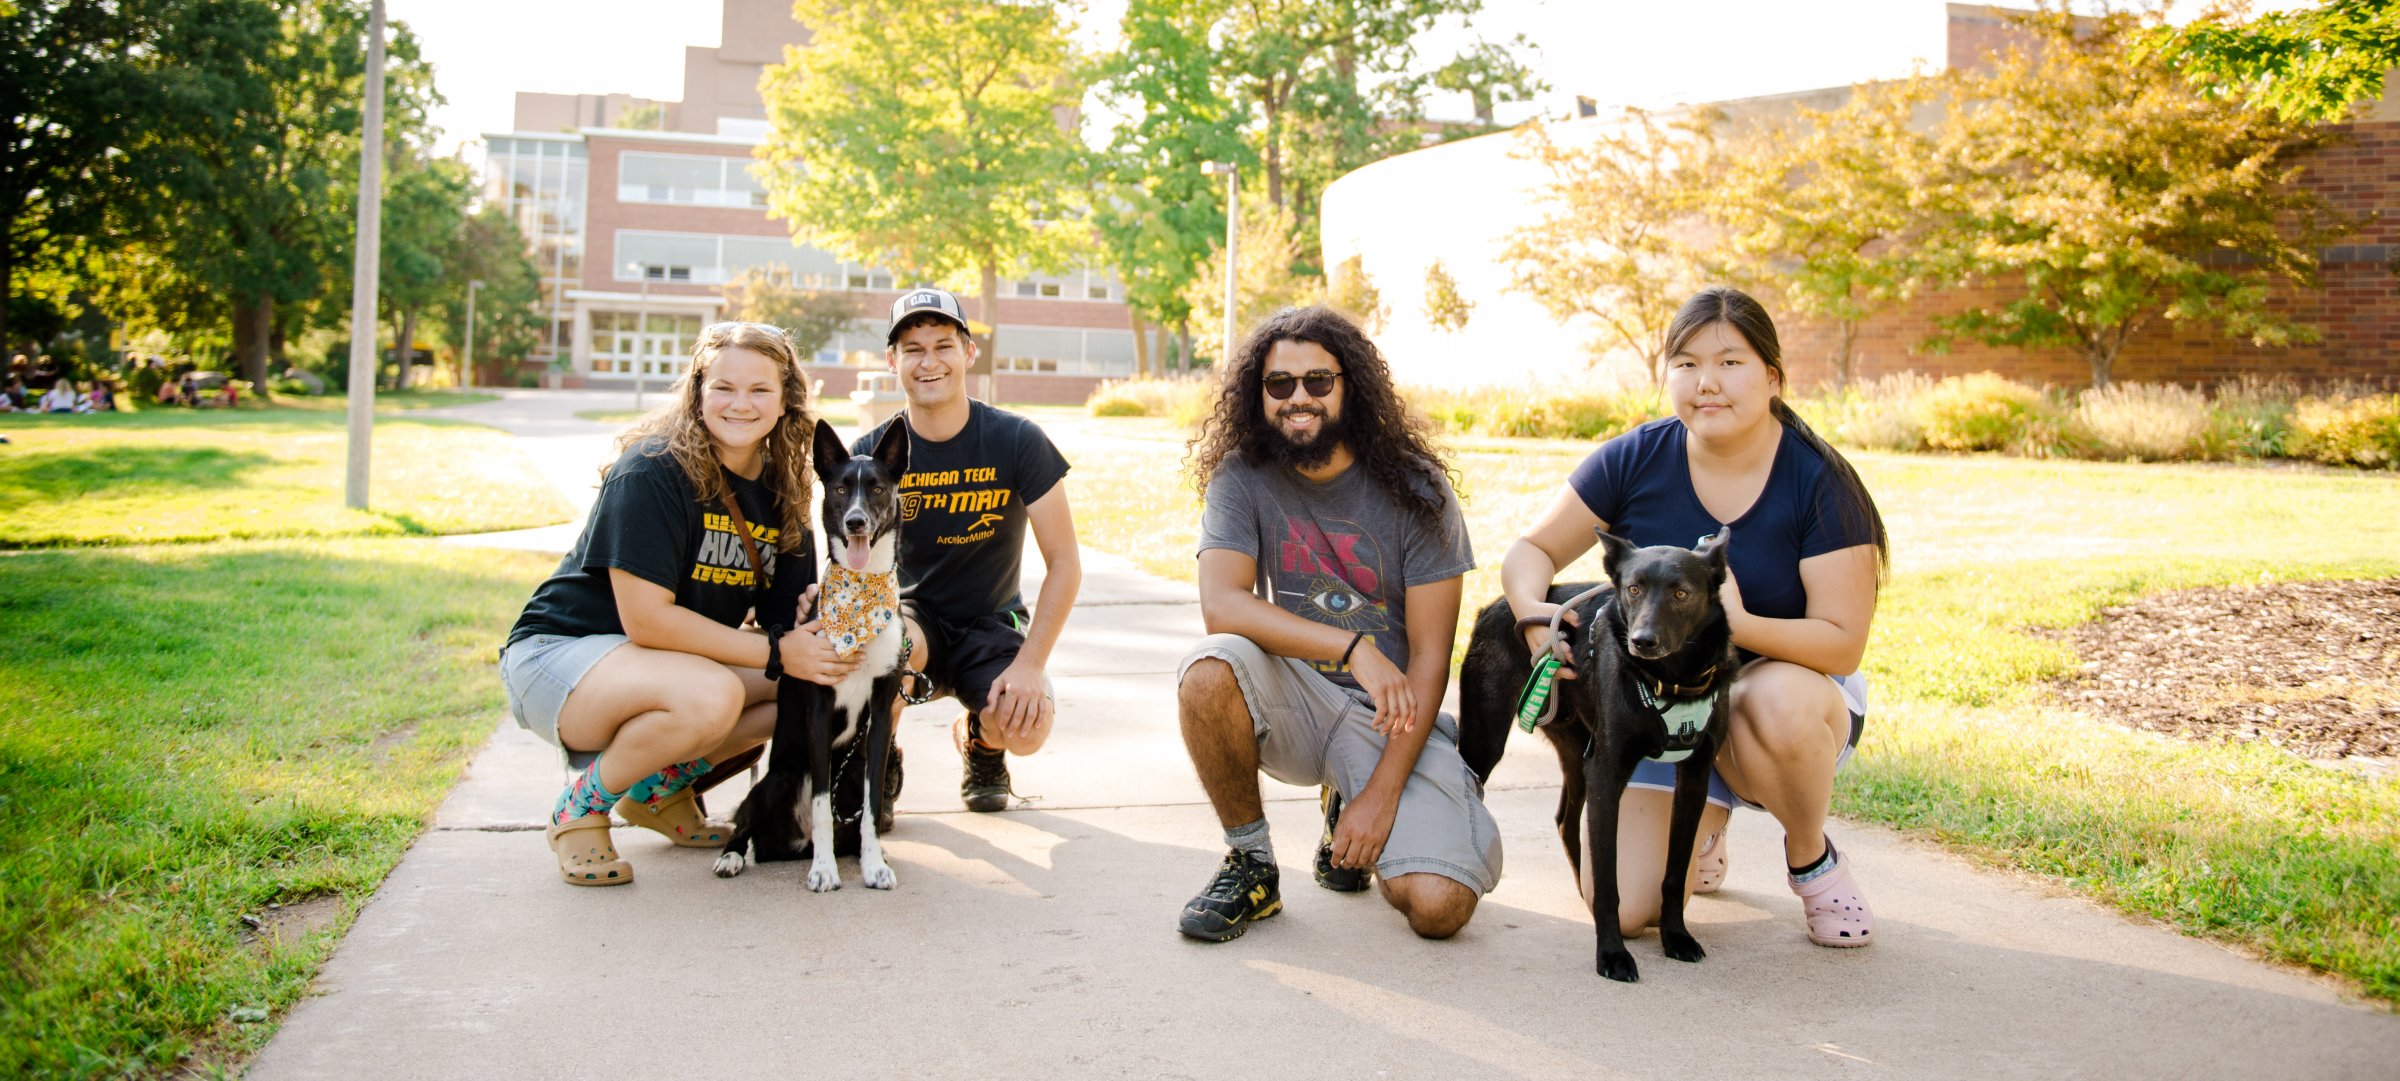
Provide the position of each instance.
(1313, 732)
(1649, 773)
(538, 671)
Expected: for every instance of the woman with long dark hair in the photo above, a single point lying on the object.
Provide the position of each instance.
(1807, 551)
(632, 656)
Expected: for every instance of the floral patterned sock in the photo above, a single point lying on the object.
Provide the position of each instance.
(666, 782)
(585, 795)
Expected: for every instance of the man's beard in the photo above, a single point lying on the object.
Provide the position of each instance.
(1330, 433)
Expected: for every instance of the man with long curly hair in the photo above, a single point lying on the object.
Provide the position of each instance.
(1331, 552)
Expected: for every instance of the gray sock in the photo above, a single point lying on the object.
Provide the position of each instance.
(1251, 837)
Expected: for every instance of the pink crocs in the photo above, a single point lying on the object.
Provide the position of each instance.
(1837, 911)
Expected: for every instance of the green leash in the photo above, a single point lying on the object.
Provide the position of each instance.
(1535, 703)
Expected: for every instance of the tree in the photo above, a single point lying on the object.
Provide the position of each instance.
(812, 317)
(1820, 210)
(508, 317)
(1489, 74)
(1157, 215)
(1617, 244)
(1445, 309)
(424, 215)
(1350, 290)
(647, 116)
(2308, 64)
(927, 135)
(1264, 280)
(80, 81)
(2103, 192)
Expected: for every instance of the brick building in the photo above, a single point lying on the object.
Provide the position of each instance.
(636, 233)
(1487, 192)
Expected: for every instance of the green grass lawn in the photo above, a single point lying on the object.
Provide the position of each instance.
(197, 732)
(2244, 844)
(181, 475)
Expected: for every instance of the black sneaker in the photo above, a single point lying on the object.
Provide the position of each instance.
(1244, 890)
(985, 786)
(1337, 879)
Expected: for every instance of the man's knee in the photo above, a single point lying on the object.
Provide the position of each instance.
(1210, 689)
(1436, 907)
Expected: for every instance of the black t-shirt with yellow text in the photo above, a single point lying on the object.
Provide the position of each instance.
(650, 522)
(962, 510)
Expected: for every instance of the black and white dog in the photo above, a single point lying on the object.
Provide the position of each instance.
(857, 602)
(1652, 675)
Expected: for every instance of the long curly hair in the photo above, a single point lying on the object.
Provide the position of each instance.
(677, 429)
(1393, 445)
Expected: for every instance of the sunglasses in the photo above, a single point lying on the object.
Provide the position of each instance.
(1319, 383)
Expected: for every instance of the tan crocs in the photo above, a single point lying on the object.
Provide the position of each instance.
(1837, 912)
(677, 818)
(1710, 862)
(585, 858)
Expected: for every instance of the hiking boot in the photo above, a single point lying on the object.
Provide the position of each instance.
(1244, 890)
(1337, 879)
(985, 786)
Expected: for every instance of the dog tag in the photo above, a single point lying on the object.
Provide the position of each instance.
(1533, 702)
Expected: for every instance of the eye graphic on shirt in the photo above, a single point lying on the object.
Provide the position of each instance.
(1340, 605)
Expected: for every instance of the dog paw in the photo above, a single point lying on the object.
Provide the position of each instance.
(824, 878)
(728, 864)
(1618, 965)
(1681, 945)
(878, 876)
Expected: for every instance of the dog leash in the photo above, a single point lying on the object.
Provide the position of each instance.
(1536, 703)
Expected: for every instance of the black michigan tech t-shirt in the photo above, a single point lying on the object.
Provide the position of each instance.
(962, 511)
(650, 523)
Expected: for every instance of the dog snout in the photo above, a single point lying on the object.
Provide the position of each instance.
(854, 524)
(1644, 643)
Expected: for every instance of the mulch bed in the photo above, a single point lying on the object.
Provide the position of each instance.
(2312, 667)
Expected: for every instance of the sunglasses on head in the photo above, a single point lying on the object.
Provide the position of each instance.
(1319, 383)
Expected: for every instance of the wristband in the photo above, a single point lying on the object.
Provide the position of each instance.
(1354, 640)
(775, 653)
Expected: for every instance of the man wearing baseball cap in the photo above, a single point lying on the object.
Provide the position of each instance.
(978, 476)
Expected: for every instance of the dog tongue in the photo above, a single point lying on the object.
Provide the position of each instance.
(857, 560)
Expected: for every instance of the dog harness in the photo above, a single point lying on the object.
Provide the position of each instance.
(1686, 721)
(856, 606)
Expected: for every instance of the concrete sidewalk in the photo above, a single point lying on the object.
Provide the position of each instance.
(1041, 942)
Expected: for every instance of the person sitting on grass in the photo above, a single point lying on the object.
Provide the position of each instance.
(1799, 595)
(633, 656)
(12, 396)
(61, 397)
(103, 398)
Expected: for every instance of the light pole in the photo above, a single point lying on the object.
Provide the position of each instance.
(641, 333)
(1233, 232)
(366, 259)
(466, 367)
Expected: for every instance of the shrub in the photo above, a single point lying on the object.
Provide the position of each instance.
(1582, 412)
(2153, 422)
(2345, 430)
(1986, 412)
(1184, 400)
(2249, 418)
(1872, 414)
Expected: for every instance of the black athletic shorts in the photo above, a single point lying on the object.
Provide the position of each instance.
(964, 659)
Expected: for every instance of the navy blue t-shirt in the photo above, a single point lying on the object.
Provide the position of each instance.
(1640, 484)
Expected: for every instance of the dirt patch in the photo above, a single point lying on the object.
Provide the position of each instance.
(2312, 667)
(284, 924)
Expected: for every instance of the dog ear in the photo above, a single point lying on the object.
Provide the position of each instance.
(1613, 551)
(829, 455)
(891, 452)
(1713, 550)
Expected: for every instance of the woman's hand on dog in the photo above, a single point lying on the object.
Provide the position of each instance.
(810, 656)
(1538, 638)
(1387, 686)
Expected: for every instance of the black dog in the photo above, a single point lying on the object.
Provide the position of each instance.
(812, 721)
(1657, 639)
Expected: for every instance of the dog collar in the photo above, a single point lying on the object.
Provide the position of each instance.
(856, 606)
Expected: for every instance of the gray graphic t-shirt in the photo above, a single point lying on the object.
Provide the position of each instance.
(1341, 553)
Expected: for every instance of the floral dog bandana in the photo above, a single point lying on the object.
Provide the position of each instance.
(856, 606)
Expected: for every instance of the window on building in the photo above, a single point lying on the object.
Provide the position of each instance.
(687, 180)
(657, 343)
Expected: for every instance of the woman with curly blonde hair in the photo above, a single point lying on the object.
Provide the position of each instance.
(634, 656)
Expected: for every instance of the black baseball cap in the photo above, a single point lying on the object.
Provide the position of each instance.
(938, 301)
